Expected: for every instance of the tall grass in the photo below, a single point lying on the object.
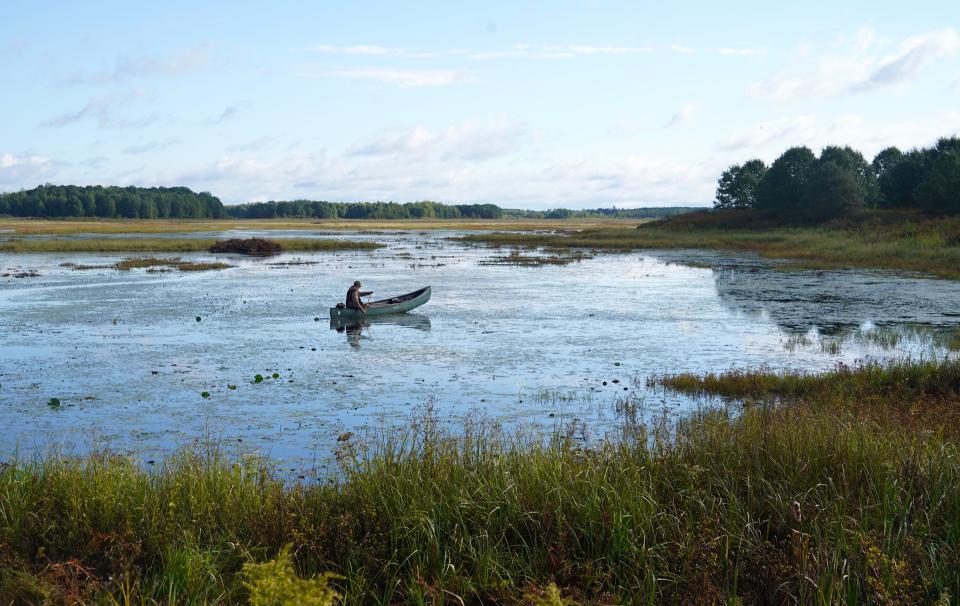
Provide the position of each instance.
(122, 245)
(817, 502)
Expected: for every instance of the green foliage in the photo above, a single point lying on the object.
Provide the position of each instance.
(275, 583)
(781, 189)
(111, 202)
(899, 179)
(363, 210)
(852, 162)
(939, 192)
(831, 191)
(738, 185)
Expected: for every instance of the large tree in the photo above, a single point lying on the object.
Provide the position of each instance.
(739, 184)
(831, 191)
(939, 192)
(853, 162)
(782, 185)
(898, 183)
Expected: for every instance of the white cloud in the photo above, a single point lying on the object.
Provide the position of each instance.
(126, 68)
(227, 113)
(151, 146)
(683, 50)
(913, 54)
(25, 169)
(106, 110)
(853, 65)
(405, 78)
(472, 140)
(358, 49)
(683, 115)
(770, 138)
(739, 52)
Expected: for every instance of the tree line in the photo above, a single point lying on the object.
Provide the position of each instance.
(363, 210)
(111, 202)
(801, 187)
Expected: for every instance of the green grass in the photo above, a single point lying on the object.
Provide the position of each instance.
(930, 246)
(123, 245)
(829, 499)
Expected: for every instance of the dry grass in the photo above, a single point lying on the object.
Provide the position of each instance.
(146, 245)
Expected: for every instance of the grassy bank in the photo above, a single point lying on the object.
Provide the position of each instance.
(930, 246)
(148, 226)
(824, 500)
(127, 245)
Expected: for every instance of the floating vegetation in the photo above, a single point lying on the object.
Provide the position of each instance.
(292, 263)
(28, 273)
(258, 378)
(519, 259)
(172, 263)
(54, 403)
(83, 267)
(255, 247)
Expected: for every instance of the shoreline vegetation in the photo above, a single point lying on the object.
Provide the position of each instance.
(839, 487)
(879, 240)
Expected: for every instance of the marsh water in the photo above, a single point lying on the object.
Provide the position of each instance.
(143, 362)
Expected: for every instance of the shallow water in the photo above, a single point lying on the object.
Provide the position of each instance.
(124, 353)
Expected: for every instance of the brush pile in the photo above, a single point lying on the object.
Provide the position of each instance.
(257, 247)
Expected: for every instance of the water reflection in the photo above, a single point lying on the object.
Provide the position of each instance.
(359, 329)
(828, 308)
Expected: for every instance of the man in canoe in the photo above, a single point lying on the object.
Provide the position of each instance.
(353, 297)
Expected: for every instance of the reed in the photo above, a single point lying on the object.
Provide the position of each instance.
(822, 500)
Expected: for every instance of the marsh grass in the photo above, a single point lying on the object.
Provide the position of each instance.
(121, 245)
(518, 259)
(830, 499)
(930, 246)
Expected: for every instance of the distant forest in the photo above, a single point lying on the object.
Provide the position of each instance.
(801, 187)
(55, 201)
(112, 203)
(429, 210)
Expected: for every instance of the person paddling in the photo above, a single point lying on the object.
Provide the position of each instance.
(353, 297)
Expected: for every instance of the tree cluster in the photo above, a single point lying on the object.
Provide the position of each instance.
(363, 210)
(800, 187)
(111, 202)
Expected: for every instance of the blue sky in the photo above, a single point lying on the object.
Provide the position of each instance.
(523, 104)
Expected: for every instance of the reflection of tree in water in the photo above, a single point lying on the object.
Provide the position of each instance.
(842, 305)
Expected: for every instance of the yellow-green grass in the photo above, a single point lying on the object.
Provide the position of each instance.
(121, 226)
(122, 245)
(830, 499)
(931, 247)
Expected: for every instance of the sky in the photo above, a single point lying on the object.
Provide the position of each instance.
(525, 104)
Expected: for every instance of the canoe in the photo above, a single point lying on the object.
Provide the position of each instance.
(394, 305)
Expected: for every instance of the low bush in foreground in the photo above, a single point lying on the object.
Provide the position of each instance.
(816, 501)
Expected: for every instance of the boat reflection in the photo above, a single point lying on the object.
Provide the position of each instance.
(354, 328)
